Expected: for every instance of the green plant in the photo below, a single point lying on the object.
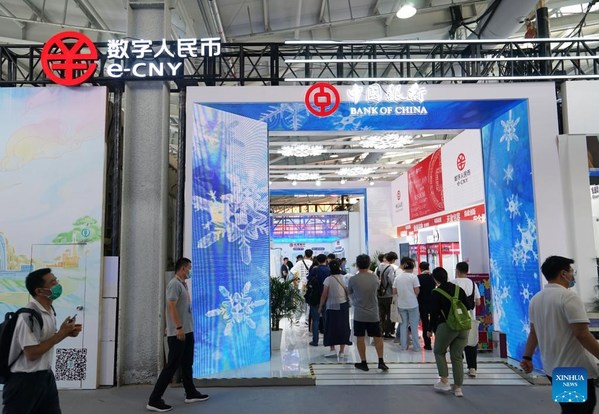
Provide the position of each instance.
(285, 300)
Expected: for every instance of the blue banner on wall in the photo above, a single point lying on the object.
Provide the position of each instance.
(230, 241)
(511, 222)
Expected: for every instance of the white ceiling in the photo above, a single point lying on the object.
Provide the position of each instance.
(27, 21)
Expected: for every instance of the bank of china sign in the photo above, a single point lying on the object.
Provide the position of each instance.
(71, 58)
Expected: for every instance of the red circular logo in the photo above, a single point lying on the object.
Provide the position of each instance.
(322, 99)
(66, 64)
(398, 195)
(461, 161)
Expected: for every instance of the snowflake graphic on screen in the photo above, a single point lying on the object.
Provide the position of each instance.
(509, 130)
(501, 297)
(237, 308)
(525, 292)
(508, 174)
(240, 216)
(513, 206)
(289, 115)
(524, 249)
(526, 326)
(346, 123)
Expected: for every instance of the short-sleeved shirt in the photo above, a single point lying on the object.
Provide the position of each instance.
(300, 270)
(337, 291)
(362, 287)
(551, 311)
(467, 285)
(24, 336)
(427, 284)
(387, 273)
(177, 291)
(405, 284)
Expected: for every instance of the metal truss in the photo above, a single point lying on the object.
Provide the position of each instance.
(339, 62)
(310, 226)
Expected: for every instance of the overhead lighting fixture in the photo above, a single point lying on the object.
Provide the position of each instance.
(342, 181)
(303, 176)
(301, 150)
(318, 183)
(371, 182)
(355, 171)
(386, 141)
(334, 155)
(294, 182)
(406, 10)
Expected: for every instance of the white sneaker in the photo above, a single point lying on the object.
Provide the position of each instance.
(341, 355)
(472, 373)
(331, 354)
(442, 386)
(458, 392)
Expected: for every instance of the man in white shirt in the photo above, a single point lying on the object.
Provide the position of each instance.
(559, 326)
(469, 287)
(406, 286)
(31, 386)
(301, 268)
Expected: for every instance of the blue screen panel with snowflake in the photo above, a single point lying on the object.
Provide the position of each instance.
(511, 222)
(230, 241)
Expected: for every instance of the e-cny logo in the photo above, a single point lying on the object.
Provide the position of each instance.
(69, 58)
(322, 99)
(461, 161)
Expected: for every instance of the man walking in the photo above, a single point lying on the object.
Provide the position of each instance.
(179, 331)
(427, 284)
(407, 287)
(363, 286)
(469, 287)
(386, 274)
(559, 326)
(31, 387)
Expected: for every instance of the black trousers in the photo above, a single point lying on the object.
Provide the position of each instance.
(425, 318)
(586, 407)
(180, 355)
(31, 393)
(471, 352)
(387, 327)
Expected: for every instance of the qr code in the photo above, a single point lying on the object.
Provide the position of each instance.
(71, 364)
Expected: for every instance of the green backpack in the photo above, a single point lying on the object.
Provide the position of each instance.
(459, 317)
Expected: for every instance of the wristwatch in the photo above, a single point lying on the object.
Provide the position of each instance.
(526, 358)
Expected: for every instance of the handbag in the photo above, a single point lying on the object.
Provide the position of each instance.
(473, 334)
(395, 316)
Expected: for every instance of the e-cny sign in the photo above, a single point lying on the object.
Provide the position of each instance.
(64, 61)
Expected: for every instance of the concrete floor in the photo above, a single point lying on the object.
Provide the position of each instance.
(404, 399)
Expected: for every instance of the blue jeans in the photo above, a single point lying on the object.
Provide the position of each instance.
(315, 322)
(409, 317)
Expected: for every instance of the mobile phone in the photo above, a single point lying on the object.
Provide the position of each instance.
(72, 319)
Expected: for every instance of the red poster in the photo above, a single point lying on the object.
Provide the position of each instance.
(425, 185)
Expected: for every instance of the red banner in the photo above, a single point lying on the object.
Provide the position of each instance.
(470, 213)
(425, 186)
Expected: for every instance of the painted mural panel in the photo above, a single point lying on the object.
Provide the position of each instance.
(512, 227)
(52, 156)
(230, 241)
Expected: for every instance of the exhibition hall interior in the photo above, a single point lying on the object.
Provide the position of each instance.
(237, 133)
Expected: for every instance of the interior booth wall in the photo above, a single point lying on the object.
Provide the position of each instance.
(446, 107)
(580, 103)
(52, 171)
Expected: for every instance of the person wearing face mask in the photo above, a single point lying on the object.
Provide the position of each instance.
(559, 327)
(31, 387)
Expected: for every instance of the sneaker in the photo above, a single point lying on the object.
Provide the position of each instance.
(396, 341)
(197, 397)
(331, 354)
(458, 392)
(442, 386)
(158, 406)
(341, 355)
(383, 366)
(313, 344)
(472, 373)
(361, 365)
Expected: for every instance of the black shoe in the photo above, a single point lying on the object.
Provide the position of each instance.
(313, 344)
(195, 397)
(158, 406)
(383, 366)
(361, 365)
(428, 348)
(387, 336)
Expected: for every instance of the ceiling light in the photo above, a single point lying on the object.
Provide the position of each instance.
(371, 182)
(301, 150)
(317, 183)
(294, 182)
(386, 141)
(342, 181)
(302, 176)
(355, 171)
(334, 155)
(406, 11)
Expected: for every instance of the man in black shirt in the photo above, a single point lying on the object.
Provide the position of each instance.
(285, 267)
(427, 284)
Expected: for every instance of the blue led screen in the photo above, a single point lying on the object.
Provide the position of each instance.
(230, 241)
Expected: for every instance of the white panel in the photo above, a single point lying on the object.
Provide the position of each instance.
(110, 283)
(381, 233)
(356, 239)
(580, 103)
(400, 205)
(107, 353)
(474, 247)
(462, 166)
(108, 332)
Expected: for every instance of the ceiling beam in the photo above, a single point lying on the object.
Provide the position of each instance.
(265, 9)
(92, 14)
(64, 26)
(35, 10)
(298, 19)
(8, 13)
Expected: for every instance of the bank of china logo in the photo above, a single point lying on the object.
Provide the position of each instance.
(322, 99)
(569, 385)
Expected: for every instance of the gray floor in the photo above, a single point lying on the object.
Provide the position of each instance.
(404, 399)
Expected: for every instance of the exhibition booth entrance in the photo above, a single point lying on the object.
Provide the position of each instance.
(228, 225)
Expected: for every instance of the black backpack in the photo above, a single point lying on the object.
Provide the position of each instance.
(7, 330)
(312, 295)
